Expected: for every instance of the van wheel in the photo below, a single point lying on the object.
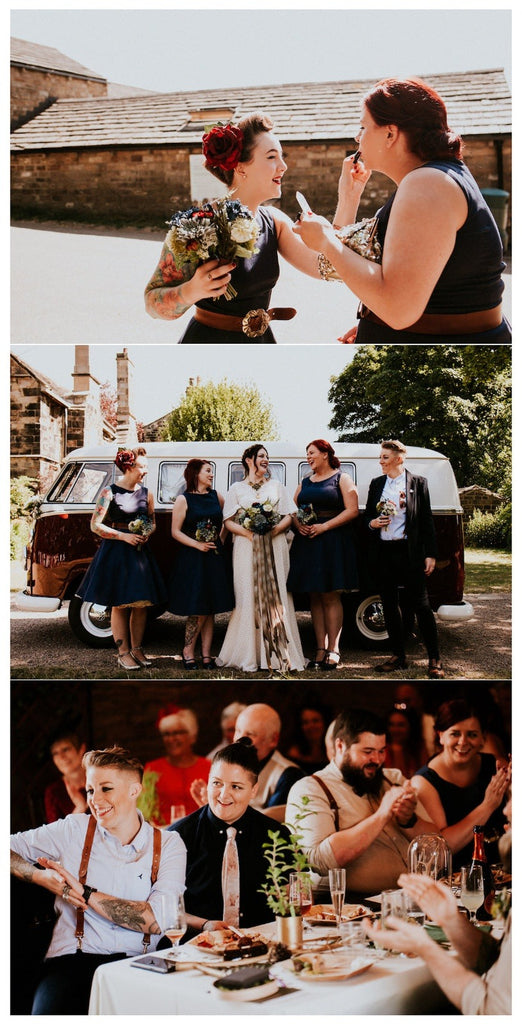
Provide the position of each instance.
(368, 621)
(91, 623)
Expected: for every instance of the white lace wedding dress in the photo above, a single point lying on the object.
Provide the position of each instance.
(243, 646)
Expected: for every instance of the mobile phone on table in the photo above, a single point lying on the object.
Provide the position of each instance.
(305, 206)
(154, 963)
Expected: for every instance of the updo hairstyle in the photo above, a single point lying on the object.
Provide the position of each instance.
(325, 446)
(252, 125)
(242, 753)
(251, 453)
(418, 111)
(126, 457)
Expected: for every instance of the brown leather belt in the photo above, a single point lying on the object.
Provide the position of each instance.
(445, 323)
(253, 324)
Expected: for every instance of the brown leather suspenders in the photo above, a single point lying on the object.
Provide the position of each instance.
(82, 876)
(331, 801)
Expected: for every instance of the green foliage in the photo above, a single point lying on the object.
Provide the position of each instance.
(284, 854)
(148, 800)
(221, 412)
(490, 529)
(454, 399)
(22, 490)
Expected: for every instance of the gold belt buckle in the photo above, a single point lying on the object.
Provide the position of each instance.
(255, 323)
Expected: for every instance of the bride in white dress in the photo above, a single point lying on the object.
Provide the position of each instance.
(262, 632)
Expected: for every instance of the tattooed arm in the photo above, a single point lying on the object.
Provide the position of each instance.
(170, 292)
(107, 532)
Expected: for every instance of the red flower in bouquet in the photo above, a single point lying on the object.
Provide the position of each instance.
(222, 146)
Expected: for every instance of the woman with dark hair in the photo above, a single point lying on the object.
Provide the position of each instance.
(199, 586)
(440, 278)
(405, 748)
(227, 827)
(308, 749)
(248, 159)
(262, 632)
(323, 561)
(462, 787)
(123, 574)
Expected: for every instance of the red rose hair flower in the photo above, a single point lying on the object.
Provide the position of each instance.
(222, 146)
(125, 459)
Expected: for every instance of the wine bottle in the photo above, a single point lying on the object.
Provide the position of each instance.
(479, 857)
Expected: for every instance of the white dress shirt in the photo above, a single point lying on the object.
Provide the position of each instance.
(121, 871)
(395, 490)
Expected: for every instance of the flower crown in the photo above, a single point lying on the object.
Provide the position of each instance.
(222, 146)
(125, 458)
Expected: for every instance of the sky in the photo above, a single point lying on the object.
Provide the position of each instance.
(299, 399)
(186, 49)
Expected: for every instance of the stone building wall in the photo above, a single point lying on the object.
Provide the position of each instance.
(476, 497)
(33, 89)
(144, 185)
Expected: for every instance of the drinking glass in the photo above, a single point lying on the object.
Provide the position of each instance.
(472, 889)
(300, 891)
(337, 880)
(393, 904)
(173, 916)
(414, 913)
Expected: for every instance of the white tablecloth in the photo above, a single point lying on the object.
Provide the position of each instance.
(394, 985)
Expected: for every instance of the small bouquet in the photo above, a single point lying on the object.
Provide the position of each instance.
(223, 229)
(260, 517)
(142, 525)
(207, 532)
(386, 508)
(360, 238)
(306, 515)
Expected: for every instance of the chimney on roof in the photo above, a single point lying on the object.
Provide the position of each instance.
(194, 382)
(82, 377)
(126, 431)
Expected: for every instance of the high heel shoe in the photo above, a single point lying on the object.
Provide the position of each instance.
(327, 664)
(133, 667)
(316, 663)
(139, 655)
(189, 663)
(209, 662)
(435, 669)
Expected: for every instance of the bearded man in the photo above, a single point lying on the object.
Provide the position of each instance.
(358, 815)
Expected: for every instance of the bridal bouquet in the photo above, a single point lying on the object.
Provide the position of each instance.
(207, 532)
(386, 508)
(306, 514)
(142, 525)
(223, 229)
(260, 517)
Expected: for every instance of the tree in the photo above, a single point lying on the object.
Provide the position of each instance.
(455, 399)
(109, 403)
(221, 412)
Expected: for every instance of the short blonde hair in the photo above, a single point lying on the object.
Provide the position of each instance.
(185, 717)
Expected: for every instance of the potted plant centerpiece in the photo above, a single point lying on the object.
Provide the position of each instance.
(284, 856)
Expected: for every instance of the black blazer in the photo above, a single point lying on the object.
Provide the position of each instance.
(420, 528)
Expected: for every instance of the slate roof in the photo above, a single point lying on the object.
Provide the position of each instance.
(478, 102)
(54, 390)
(46, 58)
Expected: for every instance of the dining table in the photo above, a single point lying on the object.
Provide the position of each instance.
(392, 985)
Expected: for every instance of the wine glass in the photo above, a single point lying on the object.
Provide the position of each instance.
(337, 880)
(173, 916)
(393, 904)
(472, 889)
(300, 892)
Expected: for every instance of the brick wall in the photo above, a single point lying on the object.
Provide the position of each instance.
(144, 185)
(31, 90)
(478, 497)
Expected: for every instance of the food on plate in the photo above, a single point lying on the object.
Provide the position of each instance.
(325, 912)
(230, 944)
(309, 963)
(244, 977)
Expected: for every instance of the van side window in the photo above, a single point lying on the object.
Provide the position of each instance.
(80, 483)
(237, 473)
(171, 481)
(346, 467)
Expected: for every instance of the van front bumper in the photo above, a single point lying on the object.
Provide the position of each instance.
(455, 612)
(28, 603)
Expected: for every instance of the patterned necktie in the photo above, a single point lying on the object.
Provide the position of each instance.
(230, 880)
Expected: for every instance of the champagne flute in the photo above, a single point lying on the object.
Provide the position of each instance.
(173, 915)
(337, 880)
(472, 889)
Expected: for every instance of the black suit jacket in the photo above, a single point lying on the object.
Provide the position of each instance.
(420, 529)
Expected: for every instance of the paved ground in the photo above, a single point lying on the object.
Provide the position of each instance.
(43, 647)
(72, 285)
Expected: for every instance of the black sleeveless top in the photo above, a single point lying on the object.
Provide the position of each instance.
(254, 278)
(472, 277)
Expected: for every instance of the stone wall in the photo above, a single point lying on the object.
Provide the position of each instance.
(478, 497)
(144, 185)
(33, 89)
(38, 425)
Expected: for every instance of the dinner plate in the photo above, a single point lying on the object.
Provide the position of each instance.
(348, 914)
(339, 973)
(218, 948)
(249, 995)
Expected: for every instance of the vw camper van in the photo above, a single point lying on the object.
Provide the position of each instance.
(62, 543)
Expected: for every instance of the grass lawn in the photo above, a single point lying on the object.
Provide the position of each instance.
(487, 570)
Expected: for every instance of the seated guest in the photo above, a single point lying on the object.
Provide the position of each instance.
(67, 794)
(228, 726)
(308, 749)
(181, 767)
(277, 774)
(461, 786)
(83, 859)
(224, 839)
(361, 816)
(476, 975)
(405, 748)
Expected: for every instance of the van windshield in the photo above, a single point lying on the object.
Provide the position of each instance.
(80, 483)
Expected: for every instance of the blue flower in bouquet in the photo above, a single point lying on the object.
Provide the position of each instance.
(142, 525)
(207, 532)
(306, 514)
